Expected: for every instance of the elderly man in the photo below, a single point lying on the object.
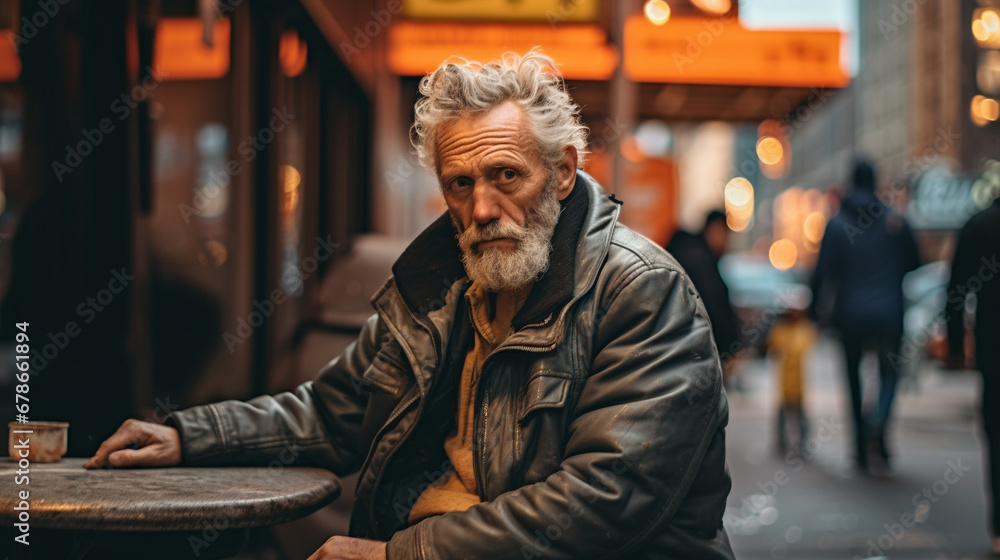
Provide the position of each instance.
(539, 381)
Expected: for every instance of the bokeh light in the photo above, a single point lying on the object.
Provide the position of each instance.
(739, 192)
(631, 150)
(986, 27)
(739, 200)
(783, 254)
(991, 20)
(654, 137)
(769, 150)
(988, 72)
(290, 180)
(984, 110)
(979, 31)
(813, 227)
(292, 54)
(714, 7)
(657, 11)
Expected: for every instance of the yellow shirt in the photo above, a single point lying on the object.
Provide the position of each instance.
(793, 340)
(457, 490)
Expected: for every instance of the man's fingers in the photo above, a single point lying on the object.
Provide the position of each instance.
(131, 433)
(121, 439)
(126, 457)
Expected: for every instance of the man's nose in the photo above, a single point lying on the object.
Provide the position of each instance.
(486, 204)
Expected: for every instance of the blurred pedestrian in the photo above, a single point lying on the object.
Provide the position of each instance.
(973, 271)
(789, 342)
(866, 250)
(699, 254)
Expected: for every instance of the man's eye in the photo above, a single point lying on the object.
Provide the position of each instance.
(462, 183)
(508, 175)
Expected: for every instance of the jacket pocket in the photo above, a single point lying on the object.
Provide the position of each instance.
(388, 372)
(544, 389)
(387, 382)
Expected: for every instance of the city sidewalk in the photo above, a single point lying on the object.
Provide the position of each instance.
(931, 506)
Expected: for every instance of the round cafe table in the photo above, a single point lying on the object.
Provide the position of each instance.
(64, 496)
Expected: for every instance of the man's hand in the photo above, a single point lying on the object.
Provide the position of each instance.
(347, 548)
(139, 444)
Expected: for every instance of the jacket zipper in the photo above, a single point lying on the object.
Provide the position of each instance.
(399, 412)
(479, 450)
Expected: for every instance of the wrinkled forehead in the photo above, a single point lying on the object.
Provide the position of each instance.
(504, 127)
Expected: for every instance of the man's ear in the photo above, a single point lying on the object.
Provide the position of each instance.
(566, 172)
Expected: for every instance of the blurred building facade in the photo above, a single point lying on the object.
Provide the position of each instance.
(248, 143)
(910, 110)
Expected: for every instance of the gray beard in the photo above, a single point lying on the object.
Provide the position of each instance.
(500, 269)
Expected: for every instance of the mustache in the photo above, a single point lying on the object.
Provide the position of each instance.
(474, 235)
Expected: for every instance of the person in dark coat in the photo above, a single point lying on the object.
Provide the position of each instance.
(699, 255)
(865, 252)
(974, 270)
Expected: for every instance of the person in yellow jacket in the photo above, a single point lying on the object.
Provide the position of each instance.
(790, 341)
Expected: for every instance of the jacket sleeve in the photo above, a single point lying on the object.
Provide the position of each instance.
(827, 263)
(963, 267)
(647, 414)
(317, 424)
(911, 251)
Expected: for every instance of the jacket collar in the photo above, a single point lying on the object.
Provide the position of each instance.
(432, 263)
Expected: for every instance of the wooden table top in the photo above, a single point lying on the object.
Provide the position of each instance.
(64, 495)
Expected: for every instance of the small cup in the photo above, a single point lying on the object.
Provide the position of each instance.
(45, 444)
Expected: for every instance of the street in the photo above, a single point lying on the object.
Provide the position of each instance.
(930, 506)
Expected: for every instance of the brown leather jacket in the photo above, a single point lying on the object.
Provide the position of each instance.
(600, 420)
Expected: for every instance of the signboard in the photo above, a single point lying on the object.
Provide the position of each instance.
(548, 11)
(581, 52)
(181, 54)
(649, 193)
(718, 50)
(944, 200)
(10, 62)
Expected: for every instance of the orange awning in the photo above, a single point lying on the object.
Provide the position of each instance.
(581, 52)
(719, 51)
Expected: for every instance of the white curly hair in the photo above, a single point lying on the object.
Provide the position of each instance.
(469, 88)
